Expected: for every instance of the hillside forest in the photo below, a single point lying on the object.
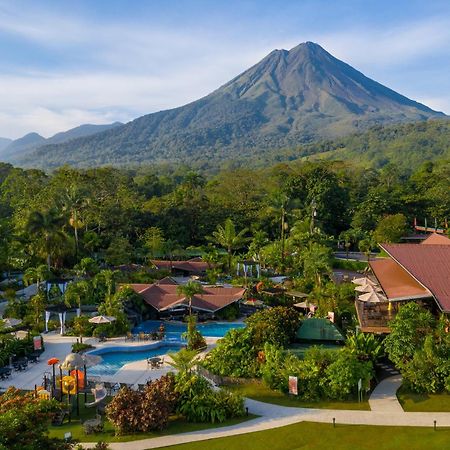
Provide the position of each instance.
(273, 215)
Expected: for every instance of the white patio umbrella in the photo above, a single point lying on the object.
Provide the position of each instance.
(372, 297)
(91, 360)
(102, 319)
(10, 323)
(367, 288)
(363, 281)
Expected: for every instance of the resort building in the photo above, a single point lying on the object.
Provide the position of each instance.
(163, 297)
(412, 272)
(194, 266)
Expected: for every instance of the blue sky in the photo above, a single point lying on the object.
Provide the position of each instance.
(64, 63)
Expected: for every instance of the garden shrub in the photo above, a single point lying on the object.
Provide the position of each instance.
(276, 326)
(343, 374)
(79, 347)
(235, 355)
(132, 411)
(198, 402)
(194, 338)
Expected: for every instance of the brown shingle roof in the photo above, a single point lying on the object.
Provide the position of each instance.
(396, 282)
(436, 239)
(428, 264)
(164, 296)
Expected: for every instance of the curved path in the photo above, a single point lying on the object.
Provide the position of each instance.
(386, 411)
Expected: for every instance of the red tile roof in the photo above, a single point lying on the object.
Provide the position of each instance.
(195, 265)
(163, 295)
(436, 239)
(396, 282)
(428, 264)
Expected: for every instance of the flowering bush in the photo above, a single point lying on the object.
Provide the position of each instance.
(132, 411)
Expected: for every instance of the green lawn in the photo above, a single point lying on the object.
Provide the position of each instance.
(423, 402)
(313, 436)
(176, 425)
(259, 391)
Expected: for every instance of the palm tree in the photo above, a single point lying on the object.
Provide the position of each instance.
(76, 292)
(46, 226)
(189, 290)
(316, 262)
(227, 238)
(36, 275)
(183, 361)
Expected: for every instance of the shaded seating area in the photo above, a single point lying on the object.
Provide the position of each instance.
(155, 363)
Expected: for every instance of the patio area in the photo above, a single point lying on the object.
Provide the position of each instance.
(57, 346)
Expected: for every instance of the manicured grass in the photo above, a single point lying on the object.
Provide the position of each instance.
(259, 391)
(176, 425)
(312, 436)
(423, 402)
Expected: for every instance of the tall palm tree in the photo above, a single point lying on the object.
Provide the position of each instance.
(189, 290)
(36, 275)
(227, 237)
(47, 228)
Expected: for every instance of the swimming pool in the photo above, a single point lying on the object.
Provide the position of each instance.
(175, 329)
(114, 358)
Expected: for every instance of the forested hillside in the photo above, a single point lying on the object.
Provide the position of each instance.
(121, 216)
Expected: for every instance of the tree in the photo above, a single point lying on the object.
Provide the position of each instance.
(227, 237)
(119, 251)
(77, 293)
(46, 229)
(24, 422)
(184, 361)
(390, 229)
(36, 275)
(154, 241)
(86, 267)
(189, 290)
(316, 261)
(195, 340)
(408, 331)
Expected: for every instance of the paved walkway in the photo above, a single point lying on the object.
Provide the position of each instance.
(386, 410)
(384, 398)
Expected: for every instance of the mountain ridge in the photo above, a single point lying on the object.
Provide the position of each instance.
(288, 98)
(32, 141)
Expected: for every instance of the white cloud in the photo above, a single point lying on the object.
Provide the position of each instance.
(117, 71)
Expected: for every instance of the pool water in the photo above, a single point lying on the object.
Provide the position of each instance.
(114, 358)
(175, 329)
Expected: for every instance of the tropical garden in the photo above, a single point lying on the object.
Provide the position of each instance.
(96, 230)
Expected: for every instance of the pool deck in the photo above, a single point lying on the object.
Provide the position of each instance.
(57, 346)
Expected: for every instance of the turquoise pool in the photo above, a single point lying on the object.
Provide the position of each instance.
(175, 329)
(114, 358)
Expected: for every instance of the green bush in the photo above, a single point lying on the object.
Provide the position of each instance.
(343, 374)
(234, 355)
(276, 326)
(198, 402)
(79, 347)
(195, 340)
